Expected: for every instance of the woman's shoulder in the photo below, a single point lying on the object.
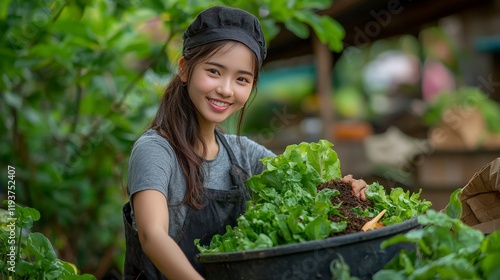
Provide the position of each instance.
(151, 135)
(151, 140)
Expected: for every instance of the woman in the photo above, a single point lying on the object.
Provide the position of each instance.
(186, 178)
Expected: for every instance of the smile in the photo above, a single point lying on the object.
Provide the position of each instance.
(219, 103)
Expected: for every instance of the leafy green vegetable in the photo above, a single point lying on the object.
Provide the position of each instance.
(296, 173)
(286, 206)
(400, 205)
(446, 249)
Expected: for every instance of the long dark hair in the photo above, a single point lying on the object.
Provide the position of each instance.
(177, 122)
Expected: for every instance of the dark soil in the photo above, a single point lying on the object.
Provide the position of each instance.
(349, 201)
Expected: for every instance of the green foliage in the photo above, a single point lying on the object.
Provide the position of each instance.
(454, 208)
(299, 169)
(67, 84)
(446, 249)
(341, 270)
(299, 17)
(29, 255)
(400, 205)
(287, 208)
(80, 80)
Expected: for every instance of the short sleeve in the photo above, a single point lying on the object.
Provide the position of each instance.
(150, 165)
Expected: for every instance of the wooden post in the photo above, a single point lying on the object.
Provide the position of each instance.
(324, 62)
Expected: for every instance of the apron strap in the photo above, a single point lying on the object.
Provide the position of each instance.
(237, 173)
(226, 145)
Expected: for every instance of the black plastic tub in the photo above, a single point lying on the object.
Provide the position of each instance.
(310, 260)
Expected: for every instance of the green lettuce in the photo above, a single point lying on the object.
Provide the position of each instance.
(401, 205)
(293, 176)
(286, 207)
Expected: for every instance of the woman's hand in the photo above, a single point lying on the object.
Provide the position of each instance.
(358, 186)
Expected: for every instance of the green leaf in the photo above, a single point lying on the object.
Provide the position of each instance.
(313, 4)
(491, 243)
(4, 5)
(27, 269)
(318, 229)
(283, 227)
(489, 265)
(335, 31)
(26, 216)
(298, 28)
(398, 239)
(80, 277)
(389, 274)
(294, 224)
(454, 207)
(13, 100)
(40, 246)
(338, 227)
(263, 241)
(340, 269)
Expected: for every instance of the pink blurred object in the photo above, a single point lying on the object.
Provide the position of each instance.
(436, 79)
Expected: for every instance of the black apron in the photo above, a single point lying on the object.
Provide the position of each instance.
(221, 208)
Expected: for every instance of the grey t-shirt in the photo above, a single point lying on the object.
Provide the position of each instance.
(153, 166)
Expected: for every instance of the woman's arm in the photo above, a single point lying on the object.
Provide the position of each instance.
(151, 217)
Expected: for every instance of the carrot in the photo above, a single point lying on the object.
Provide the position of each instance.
(372, 224)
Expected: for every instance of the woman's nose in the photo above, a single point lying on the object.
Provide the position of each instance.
(225, 89)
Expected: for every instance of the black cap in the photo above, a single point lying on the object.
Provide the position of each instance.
(224, 23)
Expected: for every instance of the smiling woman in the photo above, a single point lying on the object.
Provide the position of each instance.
(186, 178)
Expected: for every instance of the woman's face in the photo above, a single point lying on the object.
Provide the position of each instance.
(220, 85)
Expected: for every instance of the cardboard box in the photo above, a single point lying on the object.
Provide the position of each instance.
(481, 199)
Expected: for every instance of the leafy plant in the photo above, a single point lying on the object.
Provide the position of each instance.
(286, 206)
(446, 248)
(401, 205)
(29, 255)
(340, 269)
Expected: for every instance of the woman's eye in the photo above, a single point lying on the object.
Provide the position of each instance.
(243, 79)
(213, 71)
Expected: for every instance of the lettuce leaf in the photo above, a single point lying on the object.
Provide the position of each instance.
(400, 205)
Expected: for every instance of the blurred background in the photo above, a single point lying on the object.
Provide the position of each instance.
(407, 91)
